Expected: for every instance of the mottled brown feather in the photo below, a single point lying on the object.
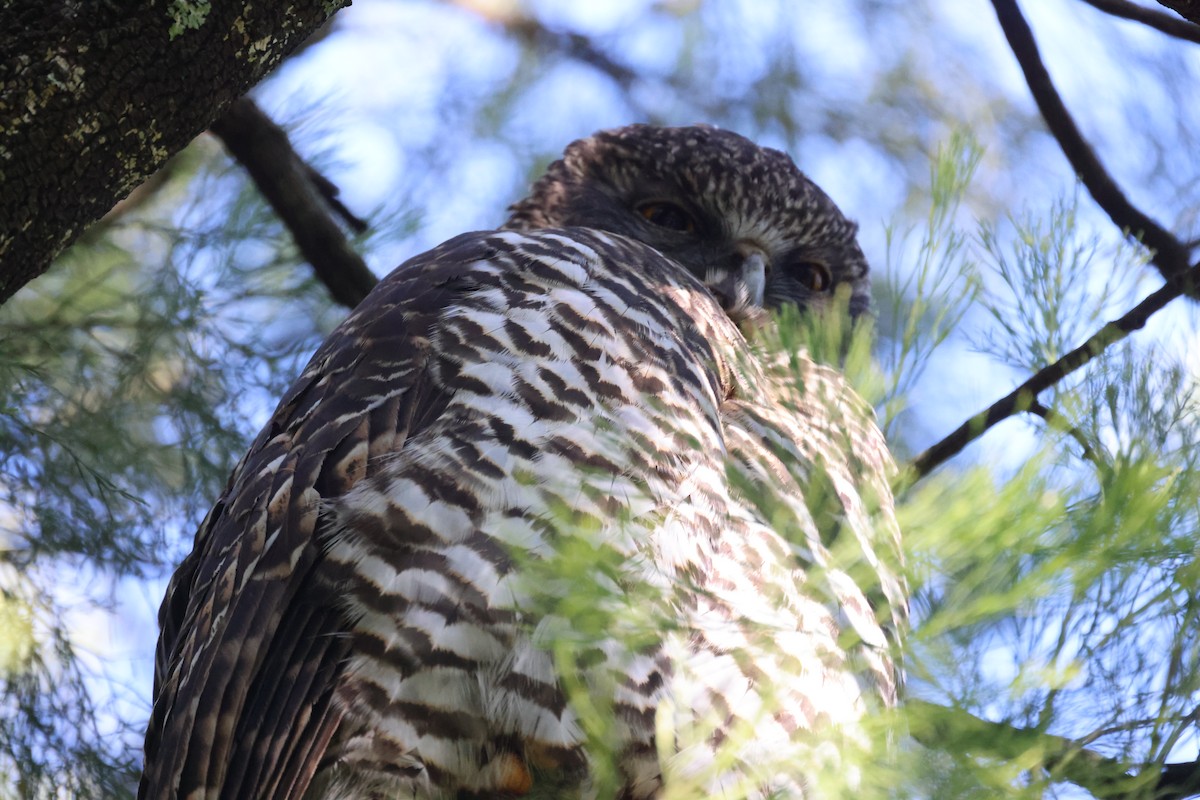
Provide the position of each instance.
(352, 621)
(326, 409)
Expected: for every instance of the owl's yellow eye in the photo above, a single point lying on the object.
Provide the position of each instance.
(668, 215)
(814, 276)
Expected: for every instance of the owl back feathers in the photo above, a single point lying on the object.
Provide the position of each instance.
(377, 605)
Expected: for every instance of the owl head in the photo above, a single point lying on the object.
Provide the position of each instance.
(742, 218)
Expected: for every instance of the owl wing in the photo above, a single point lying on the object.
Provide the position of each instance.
(252, 639)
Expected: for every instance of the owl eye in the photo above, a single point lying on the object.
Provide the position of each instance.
(813, 275)
(667, 215)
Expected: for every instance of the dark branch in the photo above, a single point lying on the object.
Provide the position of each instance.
(568, 43)
(302, 199)
(573, 45)
(1169, 254)
(1184, 8)
(329, 193)
(1060, 422)
(955, 730)
(1179, 781)
(1159, 20)
(1024, 396)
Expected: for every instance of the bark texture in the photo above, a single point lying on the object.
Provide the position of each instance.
(94, 97)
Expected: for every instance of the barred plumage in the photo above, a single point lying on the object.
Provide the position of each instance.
(368, 611)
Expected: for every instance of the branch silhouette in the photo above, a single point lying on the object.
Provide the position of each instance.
(1159, 20)
(1058, 421)
(1184, 8)
(1170, 255)
(302, 197)
(1024, 397)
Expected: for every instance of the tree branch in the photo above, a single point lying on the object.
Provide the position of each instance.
(1169, 254)
(97, 96)
(1059, 422)
(300, 196)
(1024, 396)
(1184, 8)
(568, 43)
(1159, 20)
(573, 45)
(955, 730)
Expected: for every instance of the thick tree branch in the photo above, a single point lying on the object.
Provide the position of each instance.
(1159, 20)
(95, 97)
(1169, 254)
(953, 729)
(1189, 9)
(1024, 396)
(300, 196)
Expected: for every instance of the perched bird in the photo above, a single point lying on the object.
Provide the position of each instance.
(538, 520)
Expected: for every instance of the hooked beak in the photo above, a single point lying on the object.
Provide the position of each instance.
(754, 278)
(741, 290)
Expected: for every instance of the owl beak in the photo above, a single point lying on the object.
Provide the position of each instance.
(742, 288)
(743, 285)
(754, 278)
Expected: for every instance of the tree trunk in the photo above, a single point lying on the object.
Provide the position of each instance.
(95, 96)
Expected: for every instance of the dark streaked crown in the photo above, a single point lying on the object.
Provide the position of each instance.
(724, 193)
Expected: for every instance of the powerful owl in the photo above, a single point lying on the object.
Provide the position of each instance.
(545, 516)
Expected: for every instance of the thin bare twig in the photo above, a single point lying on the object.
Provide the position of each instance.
(1059, 422)
(568, 43)
(573, 45)
(1024, 396)
(1159, 20)
(1169, 254)
(954, 729)
(329, 193)
(302, 199)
